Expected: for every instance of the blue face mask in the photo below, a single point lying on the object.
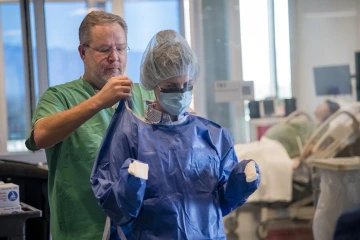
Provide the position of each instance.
(175, 103)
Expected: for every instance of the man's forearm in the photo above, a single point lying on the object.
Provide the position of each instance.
(55, 128)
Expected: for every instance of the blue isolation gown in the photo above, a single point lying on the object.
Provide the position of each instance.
(194, 177)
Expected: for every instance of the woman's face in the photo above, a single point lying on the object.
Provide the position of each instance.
(172, 85)
(178, 82)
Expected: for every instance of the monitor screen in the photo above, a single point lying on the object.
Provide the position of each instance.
(334, 80)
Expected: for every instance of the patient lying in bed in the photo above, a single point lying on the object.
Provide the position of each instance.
(278, 153)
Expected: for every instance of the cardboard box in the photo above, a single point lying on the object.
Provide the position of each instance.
(8, 210)
(9, 195)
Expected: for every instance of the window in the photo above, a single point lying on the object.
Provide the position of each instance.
(151, 17)
(265, 47)
(255, 50)
(62, 21)
(13, 75)
(282, 46)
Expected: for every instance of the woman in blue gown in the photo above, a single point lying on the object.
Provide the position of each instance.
(171, 174)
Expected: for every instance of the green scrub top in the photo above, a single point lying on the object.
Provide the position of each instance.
(74, 210)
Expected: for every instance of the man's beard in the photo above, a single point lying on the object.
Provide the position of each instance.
(100, 78)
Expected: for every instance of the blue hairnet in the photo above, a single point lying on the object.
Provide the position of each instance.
(167, 55)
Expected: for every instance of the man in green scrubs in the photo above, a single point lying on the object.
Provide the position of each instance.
(70, 122)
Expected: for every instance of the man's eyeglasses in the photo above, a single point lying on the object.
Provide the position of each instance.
(106, 50)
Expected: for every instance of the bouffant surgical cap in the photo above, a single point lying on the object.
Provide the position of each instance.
(167, 55)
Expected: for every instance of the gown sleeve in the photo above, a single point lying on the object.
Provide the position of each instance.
(120, 194)
(234, 188)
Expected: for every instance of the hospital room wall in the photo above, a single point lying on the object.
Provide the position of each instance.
(322, 33)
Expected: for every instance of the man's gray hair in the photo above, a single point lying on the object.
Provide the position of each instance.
(96, 18)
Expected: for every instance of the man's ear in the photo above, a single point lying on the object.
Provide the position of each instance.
(81, 50)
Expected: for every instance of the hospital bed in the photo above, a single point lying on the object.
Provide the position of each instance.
(333, 153)
(337, 136)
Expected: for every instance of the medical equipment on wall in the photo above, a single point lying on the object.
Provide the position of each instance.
(272, 107)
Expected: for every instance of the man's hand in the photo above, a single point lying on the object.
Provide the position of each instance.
(115, 89)
(55, 128)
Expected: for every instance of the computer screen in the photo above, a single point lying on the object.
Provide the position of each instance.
(332, 80)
